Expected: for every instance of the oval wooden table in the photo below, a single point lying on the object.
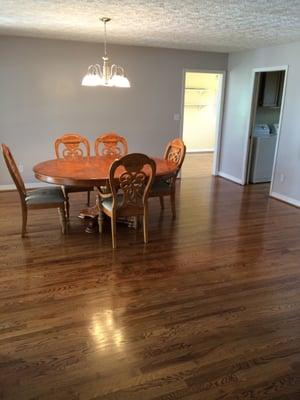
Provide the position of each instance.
(88, 172)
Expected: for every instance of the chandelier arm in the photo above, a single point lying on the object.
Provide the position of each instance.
(95, 69)
(112, 69)
(99, 69)
(115, 68)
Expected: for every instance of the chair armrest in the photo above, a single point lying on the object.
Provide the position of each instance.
(103, 194)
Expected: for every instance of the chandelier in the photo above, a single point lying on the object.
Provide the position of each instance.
(105, 75)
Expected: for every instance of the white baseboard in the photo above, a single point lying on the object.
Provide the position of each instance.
(200, 151)
(32, 185)
(230, 177)
(285, 199)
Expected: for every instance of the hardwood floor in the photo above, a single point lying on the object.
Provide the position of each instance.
(209, 309)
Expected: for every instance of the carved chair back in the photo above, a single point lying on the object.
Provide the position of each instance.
(73, 146)
(175, 151)
(14, 171)
(137, 172)
(111, 145)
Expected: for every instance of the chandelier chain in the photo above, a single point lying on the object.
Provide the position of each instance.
(105, 39)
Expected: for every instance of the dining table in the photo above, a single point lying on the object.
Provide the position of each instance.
(92, 171)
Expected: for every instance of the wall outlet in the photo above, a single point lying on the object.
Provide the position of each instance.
(282, 178)
(176, 117)
(21, 167)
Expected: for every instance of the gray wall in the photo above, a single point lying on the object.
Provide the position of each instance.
(237, 105)
(41, 97)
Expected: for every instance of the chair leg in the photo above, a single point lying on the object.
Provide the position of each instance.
(161, 199)
(24, 220)
(136, 223)
(67, 207)
(100, 221)
(88, 198)
(173, 203)
(62, 217)
(100, 214)
(67, 204)
(145, 225)
(113, 231)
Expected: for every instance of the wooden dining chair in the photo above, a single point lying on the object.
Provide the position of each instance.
(72, 146)
(52, 197)
(130, 180)
(112, 145)
(166, 186)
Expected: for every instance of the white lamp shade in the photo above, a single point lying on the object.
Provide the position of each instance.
(120, 81)
(107, 83)
(92, 80)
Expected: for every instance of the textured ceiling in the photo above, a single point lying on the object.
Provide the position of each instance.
(215, 25)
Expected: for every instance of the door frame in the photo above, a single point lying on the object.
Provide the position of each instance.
(252, 113)
(219, 116)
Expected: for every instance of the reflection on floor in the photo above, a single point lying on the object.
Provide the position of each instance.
(208, 310)
(197, 165)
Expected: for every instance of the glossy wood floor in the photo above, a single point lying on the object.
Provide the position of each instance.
(209, 309)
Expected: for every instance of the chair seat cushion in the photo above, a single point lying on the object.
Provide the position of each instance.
(107, 203)
(159, 185)
(45, 196)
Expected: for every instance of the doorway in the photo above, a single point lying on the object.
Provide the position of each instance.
(201, 123)
(264, 127)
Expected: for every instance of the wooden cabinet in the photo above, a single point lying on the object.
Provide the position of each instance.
(271, 88)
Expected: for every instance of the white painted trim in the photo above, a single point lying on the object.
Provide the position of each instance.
(31, 185)
(201, 151)
(219, 124)
(220, 112)
(250, 115)
(285, 199)
(182, 103)
(230, 177)
(205, 71)
(249, 125)
(253, 106)
(279, 127)
(269, 69)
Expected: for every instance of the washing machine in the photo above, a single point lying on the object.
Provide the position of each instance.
(262, 157)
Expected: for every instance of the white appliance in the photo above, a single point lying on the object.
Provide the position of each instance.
(261, 129)
(262, 157)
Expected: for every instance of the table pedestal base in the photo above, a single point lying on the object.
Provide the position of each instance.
(92, 226)
(92, 213)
